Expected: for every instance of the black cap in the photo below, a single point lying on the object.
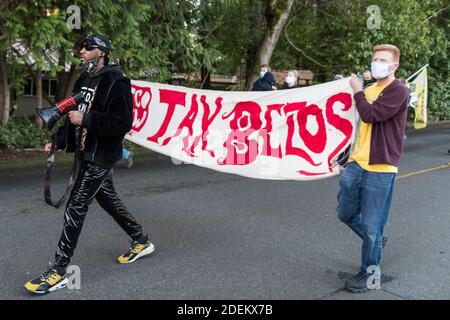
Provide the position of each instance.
(97, 41)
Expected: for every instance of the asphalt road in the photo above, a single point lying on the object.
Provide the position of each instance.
(221, 236)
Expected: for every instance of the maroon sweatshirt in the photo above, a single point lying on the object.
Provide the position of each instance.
(387, 115)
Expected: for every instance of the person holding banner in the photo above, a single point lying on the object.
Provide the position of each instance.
(95, 132)
(367, 183)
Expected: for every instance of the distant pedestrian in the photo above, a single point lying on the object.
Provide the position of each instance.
(291, 80)
(266, 80)
(128, 156)
(367, 78)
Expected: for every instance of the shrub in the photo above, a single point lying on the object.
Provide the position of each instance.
(22, 133)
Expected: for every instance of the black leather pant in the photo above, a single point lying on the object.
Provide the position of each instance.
(92, 182)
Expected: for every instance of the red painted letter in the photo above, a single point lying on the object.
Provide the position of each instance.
(290, 149)
(188, 122)
(172, 98)
(316, 143)
(267, 149)
(142, 97)
(241, 150)
(343, 125)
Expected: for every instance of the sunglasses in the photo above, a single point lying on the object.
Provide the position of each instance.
(87, 46)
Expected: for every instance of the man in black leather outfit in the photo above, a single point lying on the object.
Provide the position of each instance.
(96, 130)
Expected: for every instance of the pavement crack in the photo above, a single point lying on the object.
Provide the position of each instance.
(395, 294)
(330, 294)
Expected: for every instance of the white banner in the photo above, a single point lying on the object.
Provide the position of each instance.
(288, 134)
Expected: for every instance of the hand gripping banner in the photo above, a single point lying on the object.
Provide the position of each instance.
(295, 134)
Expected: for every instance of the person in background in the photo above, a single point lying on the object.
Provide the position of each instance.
(367, 78)
(128, 156)
(410, 108)
(291, 80)
(266, 80)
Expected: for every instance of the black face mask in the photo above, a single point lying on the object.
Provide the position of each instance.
(90, 65)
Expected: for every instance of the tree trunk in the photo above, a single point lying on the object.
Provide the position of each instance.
(62, 77)
(320, 9)
(277, 12)
(5, 98)
(66, 80)
(39, 122)
(205, 78)
(2, 91)
(61, 86)
(71, 79)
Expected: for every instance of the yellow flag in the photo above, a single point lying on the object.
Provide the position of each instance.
(418, 95)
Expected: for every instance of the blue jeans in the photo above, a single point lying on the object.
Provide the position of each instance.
(125, 154)
(364, 200)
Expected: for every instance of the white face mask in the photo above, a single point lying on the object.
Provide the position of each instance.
(380, 70)
(262, 73)
(290, 80)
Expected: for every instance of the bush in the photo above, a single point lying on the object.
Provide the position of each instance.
(438, 100)
(22, 133)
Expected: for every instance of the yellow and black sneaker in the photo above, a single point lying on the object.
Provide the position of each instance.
(49, 281)
(137, 250)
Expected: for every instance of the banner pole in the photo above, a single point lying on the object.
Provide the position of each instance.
(417, 72)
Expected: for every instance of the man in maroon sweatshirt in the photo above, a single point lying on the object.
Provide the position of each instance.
(367, 183)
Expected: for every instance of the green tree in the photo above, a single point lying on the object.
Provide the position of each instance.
(149, 39)
(332, 37)
(247, 33)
